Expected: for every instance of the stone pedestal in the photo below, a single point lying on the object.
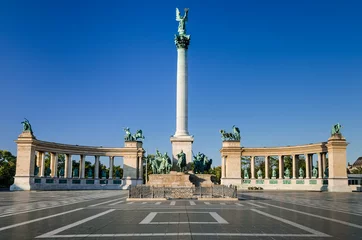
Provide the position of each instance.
(231, 163)
(337, 179)
(25, 162)
(174, 179)
(183, 143)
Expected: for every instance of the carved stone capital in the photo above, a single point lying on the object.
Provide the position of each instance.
(182, 41)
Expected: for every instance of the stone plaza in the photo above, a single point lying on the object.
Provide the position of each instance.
(108, 215)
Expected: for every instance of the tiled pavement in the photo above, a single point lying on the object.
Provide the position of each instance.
(107, 215)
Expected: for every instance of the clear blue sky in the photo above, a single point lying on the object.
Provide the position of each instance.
(283, 71)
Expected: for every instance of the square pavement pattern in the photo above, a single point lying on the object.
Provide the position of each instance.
(108, 215)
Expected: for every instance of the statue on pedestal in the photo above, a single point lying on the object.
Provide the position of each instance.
(75, 173)
(301, 173)
(48, 171)
(274, 173)
(234, 136)
(135, 137)
(27, 126)
(246, 174)
(118, 174)
(326, 172)
(61, 172)
(201, 163)
(104, 174)
(90, 173)
(181, 162)
(314, 172)
(336, 129)
(259, 173)
(36, 170)
(161, 164)
(287, 173)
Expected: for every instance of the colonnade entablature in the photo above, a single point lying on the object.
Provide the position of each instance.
(31, 173)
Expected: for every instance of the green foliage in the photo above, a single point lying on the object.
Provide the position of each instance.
(147, 159)
(120, 170)
(7, 168)
(217, 172)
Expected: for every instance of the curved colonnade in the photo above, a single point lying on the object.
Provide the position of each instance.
(29, 147)
(331, 154)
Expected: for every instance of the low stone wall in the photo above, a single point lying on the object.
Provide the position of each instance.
(285, 184)
(174, 179)
(212, 192)
(46, 184)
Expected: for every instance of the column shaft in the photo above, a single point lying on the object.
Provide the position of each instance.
(70, 166)
(307, 167)
(111, 159)
(294, 163)
(140, 167)
(182, 94)
(252, 166)
(54, 164)
(66, 165)
(266, 167)
(281, 167)
(320, 168)
(42, 165)
(82, 166)
(96, 167)
(223, 167)
(38, 160)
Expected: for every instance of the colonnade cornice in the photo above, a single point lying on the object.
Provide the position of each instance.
(278, 151)
(84, 150)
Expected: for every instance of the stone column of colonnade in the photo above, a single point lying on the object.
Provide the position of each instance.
(266, 162)
(111, 163)
(96, 167)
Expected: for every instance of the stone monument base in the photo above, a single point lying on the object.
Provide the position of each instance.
(183, 143)
(174, 179)
(203, 180)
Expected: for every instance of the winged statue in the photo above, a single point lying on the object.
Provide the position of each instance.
(182, 21)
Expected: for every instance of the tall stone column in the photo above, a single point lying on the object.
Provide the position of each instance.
(294, 167)
(281, 167)
(223, 166)
(82, 166)
(266, 167)
(96, 167)
(42, 165)
(70, 166)
(252, 167)
(67, 162)
(140, 168)
(181, 140)
(54, 164)
(307, 167)
(38, 161)
(111, 163)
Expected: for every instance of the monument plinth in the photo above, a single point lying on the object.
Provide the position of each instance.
(181, 140)
(337, 158)
(173, 179)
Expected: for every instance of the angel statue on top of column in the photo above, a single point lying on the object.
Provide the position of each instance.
(182, 21)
